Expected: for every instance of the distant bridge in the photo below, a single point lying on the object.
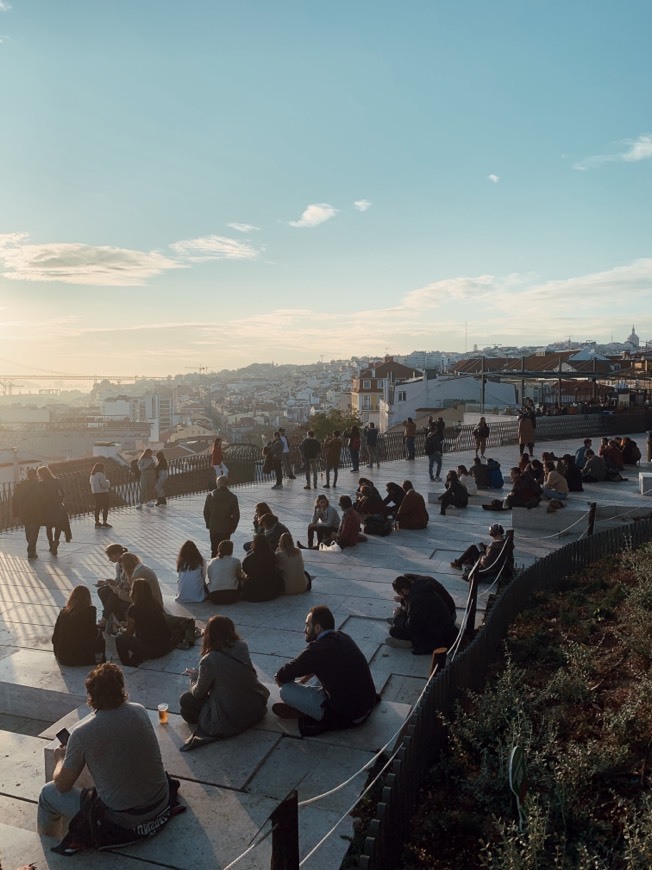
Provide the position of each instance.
(8, 382)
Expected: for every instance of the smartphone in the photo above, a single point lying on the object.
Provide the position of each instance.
(62, 736)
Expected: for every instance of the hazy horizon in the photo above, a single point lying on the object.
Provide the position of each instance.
(209, 184)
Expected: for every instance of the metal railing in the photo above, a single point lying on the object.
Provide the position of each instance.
(193, 474)
(423, 739)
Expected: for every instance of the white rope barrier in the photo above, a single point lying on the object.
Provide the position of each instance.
(253, 844)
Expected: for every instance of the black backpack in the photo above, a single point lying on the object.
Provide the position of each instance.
(377, 524)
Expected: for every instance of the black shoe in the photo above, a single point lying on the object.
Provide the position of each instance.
(32, 556)
(291, 477)
(307, 486)
(326, 486)
(284, 711)
(106, 526)
(98, 525)
(301, 547)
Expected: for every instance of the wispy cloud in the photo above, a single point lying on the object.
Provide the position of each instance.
(314, 215)
(243, 228)
(214, 248)
(362, 204)
(76, 263)
(635, 150)
(4, 6)
(494, 179)
(106, 266)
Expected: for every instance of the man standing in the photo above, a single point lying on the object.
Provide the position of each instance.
(121, 751)
(333, 447)
(287, 467)
(276, 452)
(27, 507)
(409, 434)
(311, 452)
(372, 446)
(221, 513)
(433, 450)
(346, 694)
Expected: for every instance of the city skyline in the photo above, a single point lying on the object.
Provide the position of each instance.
(208, 185)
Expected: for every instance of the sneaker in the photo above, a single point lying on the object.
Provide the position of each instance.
(106, 526)
(456, 564)
(397, 643)
(284, 711)
(438, 480)
(139, 507)
(326, 486)
(307, 486)
(98, 525)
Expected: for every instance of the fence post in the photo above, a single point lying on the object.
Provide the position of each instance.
(473, 603)
(592, 509)
(438, 661)
(285, 834)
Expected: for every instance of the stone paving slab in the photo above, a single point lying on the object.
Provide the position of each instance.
(19, 847)
(21, 767)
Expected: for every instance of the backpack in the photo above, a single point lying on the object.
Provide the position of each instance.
(182, 631)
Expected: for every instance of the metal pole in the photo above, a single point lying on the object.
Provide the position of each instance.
(285, 834)
(592, 509)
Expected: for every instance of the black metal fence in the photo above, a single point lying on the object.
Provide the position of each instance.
(423, 738)
(192, 474)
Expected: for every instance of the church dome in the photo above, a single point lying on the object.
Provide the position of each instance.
(632, 338)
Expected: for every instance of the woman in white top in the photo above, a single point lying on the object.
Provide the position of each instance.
(467, 480)
(290, 563)
(100, 488)
(225, 575)
(191, 570)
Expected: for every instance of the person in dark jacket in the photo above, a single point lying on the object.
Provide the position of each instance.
(488, 555)
(455, 494)
(425, 619)
(221, 513)
(55, 516)
(263, 580)
(147, 635)
(480, 473)
(28, 507)
(347, 694)
(412, 513)
(394, 497)
(272, 529)
(76, 638)
(572, 473)
(525, 491)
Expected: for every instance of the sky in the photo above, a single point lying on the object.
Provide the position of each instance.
(212, 184)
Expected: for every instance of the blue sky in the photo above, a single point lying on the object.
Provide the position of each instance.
(209, 183)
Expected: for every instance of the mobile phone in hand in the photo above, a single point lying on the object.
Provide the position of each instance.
(62, 736)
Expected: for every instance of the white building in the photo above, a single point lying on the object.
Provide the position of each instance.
(440, 392)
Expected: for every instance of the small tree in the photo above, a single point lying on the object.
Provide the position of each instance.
(325, 424)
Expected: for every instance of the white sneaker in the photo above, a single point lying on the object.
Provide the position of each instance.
(139, 507)
(150, 504)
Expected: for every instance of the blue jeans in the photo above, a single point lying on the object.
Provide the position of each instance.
(409, 446)
(432, 458)
(552, 493)
(309, 700)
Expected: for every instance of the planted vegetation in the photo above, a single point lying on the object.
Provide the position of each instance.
(573, 689)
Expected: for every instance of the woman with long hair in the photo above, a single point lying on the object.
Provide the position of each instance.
(161, 475)
(147, 635)
(263, 581)
(100, 486)
(55, 517)
(225, 696)
(290, 563)
(76, 638)
(191, 571)
(225, 575)
(147, 469)
(261, 509)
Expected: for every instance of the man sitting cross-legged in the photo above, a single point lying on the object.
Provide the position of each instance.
(346, 694)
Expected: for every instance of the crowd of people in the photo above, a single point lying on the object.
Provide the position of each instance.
(329, 684)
